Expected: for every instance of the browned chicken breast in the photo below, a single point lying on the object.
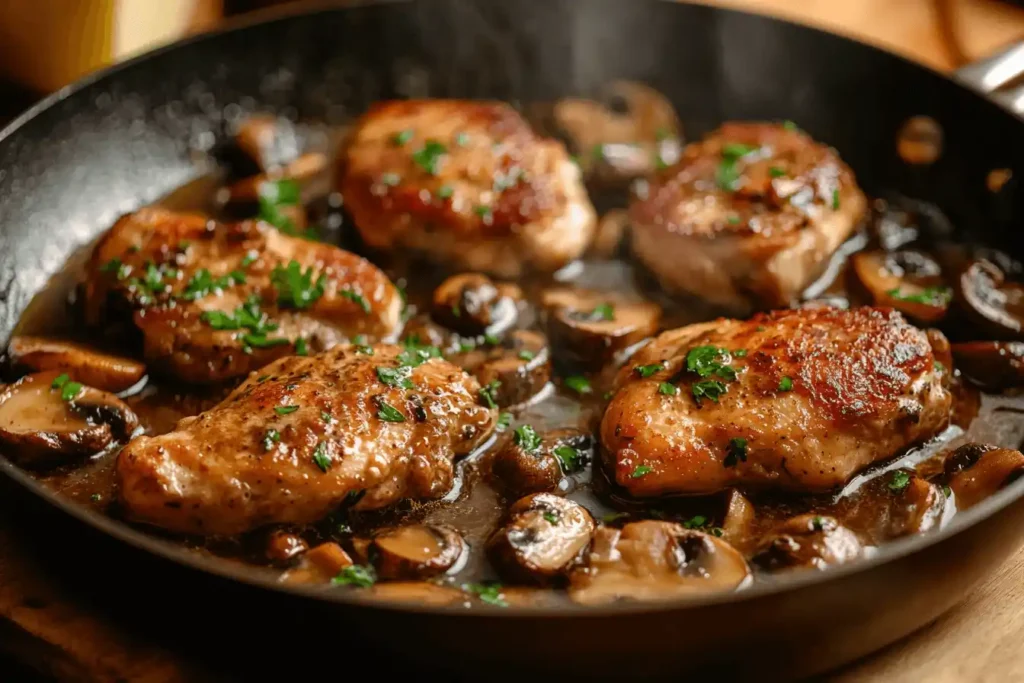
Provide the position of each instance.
(795, 399)
(748, 217)
(368, 425)
(466, 183)
(215, 300)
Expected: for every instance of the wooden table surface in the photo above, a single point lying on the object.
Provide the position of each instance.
(49, 627)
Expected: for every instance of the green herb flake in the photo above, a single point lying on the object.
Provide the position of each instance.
(504, 420)
(462, 139)
(326, 417)
(297, 289)
(59, 381)
(401, 137)
(390, 179)
(648, 370)
(301, 347)
(570, 458)
(789, 125)
(668, 389)
(931, 296)
(835, 199)
(285, 410)
(640, 471)
(489, 393)
(786, 384)
(483, 211)
(489, 593)
(320, 457)
(359, 575)
(938, 366)
(696, 522)
(389, 413)
(739, 353)
(69, 391)
(710, 360)
(776, 172)
(710, 389)
(733, 219)
(526, 354)
(429, 156)
(613, 517)
(95, 497)
(445, 192)
(946, 491)
(271, 437)
(527, 438)
(550, 518)
(491, 340)
(276, 194)
(605, 311)
(395, 377)
(579, 384)
(899, 481)
(736, 452)
(817, 523)
(249, 258)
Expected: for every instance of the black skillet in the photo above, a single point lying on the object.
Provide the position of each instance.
(125, 137)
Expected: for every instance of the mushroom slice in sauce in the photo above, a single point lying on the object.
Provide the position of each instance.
(283, 547)
(268, 141)
(534, 463)
(319, 565)
(589, 327)
(654, 560)
(512, 372)
(545, 537)
(83, 364)
(976, 471)
(738, 523)
(473, 304)
(991, 301)
(993, 365)
(47, 417)
(308, 170)
(422, 592)
(808, 541)
(415, 551)
(909, 281)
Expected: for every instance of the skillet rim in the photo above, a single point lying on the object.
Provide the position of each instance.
(257, 578)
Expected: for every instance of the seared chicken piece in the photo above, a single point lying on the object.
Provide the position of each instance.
(468, 184)
(292, 443)
(796, 399)
(748, 217)
(215, 301)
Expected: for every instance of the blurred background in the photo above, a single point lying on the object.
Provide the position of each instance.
(46, 44)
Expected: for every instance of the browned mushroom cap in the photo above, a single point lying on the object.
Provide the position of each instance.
(319, 565)
(589, 328)
(309, 171)
(909, 281)
(991, 301)
(283, 547)
(652, 560)
(419, 591)
(808, 541)
(415, 551)
(628, 132)
(473, 304)
(512, 372)
(268, 141)
(977, 471)
(532, 463)
(47, 417)
(85, 365)
(993, 365)
(611, 234)
(545, 537)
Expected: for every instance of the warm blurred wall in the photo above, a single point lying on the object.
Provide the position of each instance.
(45, 44)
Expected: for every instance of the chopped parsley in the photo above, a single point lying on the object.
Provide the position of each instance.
(789, 125)
(445, 191)
(526, 437)
(360, 575)
(640, 471)
(301, 348)
(395, 377)
(550, 518)
(733, 219)
(285, 410)
(489, 392)
(739, 353)
(526, 354)
(736, 452)
(326, 417)
(389, 413)
(668, 389)
(491, 340)
(899, 481)
(696, 522)
(489, 593)
(710, 388)
(571, 458)
(613, 517)
(272, 196)
(249, 258)
(776, 172)
(938, 366)
(416, 354)
(648, 370)
(462, 139)
(261, 341)
(202, 283)
(946, 491)
(401, 137)
(95, 497)
(710, 360)
(270, 438)
(390, 179)
(605, 311)
(727, 173)
(817, 523)
(429, 156)
(248, 317)
(931, 296)
(786, 384)
(504, 420)
(581, 385)
(320, 457)
(296, 287)
(483, 211)
(69, 390)
(835, 199)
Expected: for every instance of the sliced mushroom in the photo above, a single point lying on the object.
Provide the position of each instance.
(319, 565)
(808, 541)
(533, 465)
(283, 547)
(268, 141)
(422, 592)
(473, 304)
(309, 171)
(629, 131)
(85, 365)
(977, 471)
(416, 551)
(512, 372)
(992, 365)
(909, 281)
(47, 417)
(738, 523)
(653, 560)
(589, 328)
(991, 301)
(545, 538)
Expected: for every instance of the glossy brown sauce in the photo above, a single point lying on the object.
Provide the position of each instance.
(474, 507)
